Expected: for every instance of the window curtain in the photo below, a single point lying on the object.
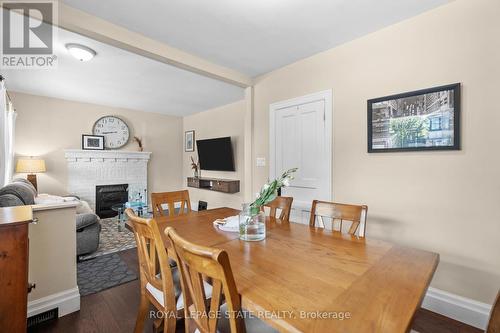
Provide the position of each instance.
(7, 128)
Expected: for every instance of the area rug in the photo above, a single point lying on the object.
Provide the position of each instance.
(103, 272)
(112, 239)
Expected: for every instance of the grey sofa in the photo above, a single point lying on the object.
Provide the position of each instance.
(88, 231)
(21, 192)
(18, 193)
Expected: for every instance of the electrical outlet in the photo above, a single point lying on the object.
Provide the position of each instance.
(261, 161)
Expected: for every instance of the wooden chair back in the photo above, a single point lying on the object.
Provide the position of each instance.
(494, 323)
(194, 262)
(283, 203)
(339, 212)
(170, 199)
(153, 258)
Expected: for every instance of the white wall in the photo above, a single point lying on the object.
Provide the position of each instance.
(223, 121)
(46, 126)
(438, 201)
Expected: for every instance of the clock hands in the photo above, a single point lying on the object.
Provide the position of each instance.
(115, 130)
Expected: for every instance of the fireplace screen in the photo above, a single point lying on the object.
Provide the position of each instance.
(108, 195)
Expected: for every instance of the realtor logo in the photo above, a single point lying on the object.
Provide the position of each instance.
(28, 34)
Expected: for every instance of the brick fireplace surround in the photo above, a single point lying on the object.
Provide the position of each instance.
(89, 168)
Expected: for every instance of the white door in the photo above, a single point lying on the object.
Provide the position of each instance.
(301, 137)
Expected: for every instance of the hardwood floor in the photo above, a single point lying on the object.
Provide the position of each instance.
(427, 322)
(114, 310)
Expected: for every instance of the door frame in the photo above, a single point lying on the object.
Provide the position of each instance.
(327, 97)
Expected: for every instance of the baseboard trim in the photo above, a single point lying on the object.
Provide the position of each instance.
(460, 308)
(67, 301)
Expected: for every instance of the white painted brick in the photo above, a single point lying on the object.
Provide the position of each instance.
(87, 169)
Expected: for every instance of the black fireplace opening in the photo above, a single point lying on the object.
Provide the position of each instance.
(108, 195)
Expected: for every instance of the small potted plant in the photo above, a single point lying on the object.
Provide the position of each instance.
(252, 219)
(196, 167)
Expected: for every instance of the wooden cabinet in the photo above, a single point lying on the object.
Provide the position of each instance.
(14, 222)
(215, 184)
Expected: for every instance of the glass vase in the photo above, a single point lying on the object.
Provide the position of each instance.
(252, 224)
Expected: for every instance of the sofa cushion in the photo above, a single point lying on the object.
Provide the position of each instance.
(10, 200)
(83, 207)
(20, 190)
(84, 220)
(27, 182)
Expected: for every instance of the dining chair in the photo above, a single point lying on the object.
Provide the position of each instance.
(356, 214)
(494, 322)
(282, 203)
(170, 199)
(159, 282)
(196, 261)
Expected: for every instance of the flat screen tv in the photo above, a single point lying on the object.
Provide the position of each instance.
(215, 154)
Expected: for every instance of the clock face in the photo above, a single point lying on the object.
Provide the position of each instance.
(114, 130)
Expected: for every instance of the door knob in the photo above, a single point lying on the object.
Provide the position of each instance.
(31, 286)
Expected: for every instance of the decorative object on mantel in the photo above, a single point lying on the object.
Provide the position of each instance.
(114, 129)
(252, 220)
(31, 166)
(92, 142)
(139, 143)
(196, 167)
(189, 141)
(420, 120)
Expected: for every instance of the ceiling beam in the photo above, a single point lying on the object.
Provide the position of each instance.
(103, 31)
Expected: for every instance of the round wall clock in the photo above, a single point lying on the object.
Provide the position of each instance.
(114, 130)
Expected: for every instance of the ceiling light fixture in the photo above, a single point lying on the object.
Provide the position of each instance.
(80, 52)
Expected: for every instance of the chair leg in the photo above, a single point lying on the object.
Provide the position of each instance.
(158, 325)
(141, 314)
(169, 324)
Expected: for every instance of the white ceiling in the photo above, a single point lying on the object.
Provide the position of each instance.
(122, 79)
(254, 36)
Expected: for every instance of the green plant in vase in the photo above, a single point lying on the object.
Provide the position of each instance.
(252, 219)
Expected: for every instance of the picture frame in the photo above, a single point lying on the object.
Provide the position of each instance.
(92, 142)
(421, 120)
(189, 141)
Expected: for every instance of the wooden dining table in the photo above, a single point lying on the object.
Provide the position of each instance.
(307, 279)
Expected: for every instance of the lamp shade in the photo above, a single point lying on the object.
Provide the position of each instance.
(30, 165)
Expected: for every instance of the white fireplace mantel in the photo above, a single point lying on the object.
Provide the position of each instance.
(90, 168)
(73, 155)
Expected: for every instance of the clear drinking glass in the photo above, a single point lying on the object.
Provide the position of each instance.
(252, 226)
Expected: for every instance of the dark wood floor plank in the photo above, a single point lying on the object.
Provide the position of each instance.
(102, 318)
(427, 321)
(115, 309)
(121, 300)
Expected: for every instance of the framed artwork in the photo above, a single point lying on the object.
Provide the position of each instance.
(189, 141)
(92, 142)
(427, 119)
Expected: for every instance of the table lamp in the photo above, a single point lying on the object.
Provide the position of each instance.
(31, 166)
